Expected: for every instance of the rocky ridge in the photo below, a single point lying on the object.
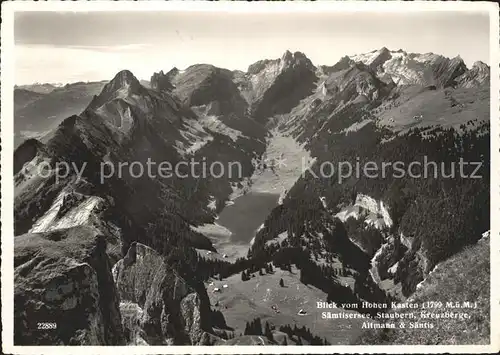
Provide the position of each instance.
(64, 277)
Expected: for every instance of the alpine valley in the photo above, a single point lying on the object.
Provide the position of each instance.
(245, 260)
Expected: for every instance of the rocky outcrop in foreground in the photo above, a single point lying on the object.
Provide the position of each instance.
(63, 279)
(158, 306)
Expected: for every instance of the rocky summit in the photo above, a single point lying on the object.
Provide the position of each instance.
(276, 86)
(106, 255)
(65, 276)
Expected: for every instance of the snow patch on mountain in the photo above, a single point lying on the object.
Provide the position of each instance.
(415, 69)
(212, 229)
(371, 58)
(393, 268)
(68, 210)
(356, 126)
(280, 238)
(212, 203)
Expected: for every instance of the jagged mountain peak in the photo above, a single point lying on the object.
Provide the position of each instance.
(457, 60)
(124, 77)
(293, 55)
(296, 58)
(287, 60)
(275, 86)
(478, 75)
(344, 63)
(124, 84)
(481, 66)
(287, 54)
(161, 81)
(375, 58)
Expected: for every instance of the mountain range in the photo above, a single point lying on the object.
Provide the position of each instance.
(129, 260)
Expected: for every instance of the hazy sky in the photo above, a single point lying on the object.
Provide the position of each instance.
(69, 46)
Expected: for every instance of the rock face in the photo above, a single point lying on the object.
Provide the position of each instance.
(463, 276)
(446, 71)
(366, 205)
(191, 314)
(171, 310)
(380, 57)
(478, 75)
(358, 80)
(64, 277)
(344, 63)
(276, 86)
(123, 84)
(161, 81)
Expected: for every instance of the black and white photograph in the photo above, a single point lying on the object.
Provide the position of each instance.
(310, 176)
